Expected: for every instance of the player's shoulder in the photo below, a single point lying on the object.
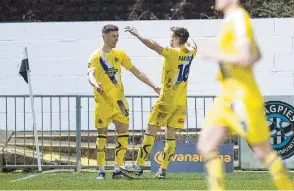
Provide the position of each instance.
(238, 20)
(238, 14)
(95, 54)
(118, 51)
(244, 12)
(172, 50)
(188, 50)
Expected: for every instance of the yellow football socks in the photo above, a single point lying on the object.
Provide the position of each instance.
(278, 172)
(168, 152)
(100, 145)
(215, 171)
(121, 148)
(146, 147)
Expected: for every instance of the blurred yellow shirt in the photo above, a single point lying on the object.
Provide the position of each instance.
(237, 81)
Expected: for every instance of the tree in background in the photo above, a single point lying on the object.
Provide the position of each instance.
(270, 8)
(95, 10)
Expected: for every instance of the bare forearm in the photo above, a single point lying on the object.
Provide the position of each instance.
(92, 79)
(148, 42)
(241, 60)
(228, 58)
(191, 43)
(244, 57)
(142, 77)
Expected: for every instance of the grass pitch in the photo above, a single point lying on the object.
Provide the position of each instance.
(86, 181)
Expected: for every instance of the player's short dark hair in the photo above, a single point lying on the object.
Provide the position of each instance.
(181, 33)
(109, 28)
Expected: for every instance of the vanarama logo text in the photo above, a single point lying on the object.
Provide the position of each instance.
(189, 158)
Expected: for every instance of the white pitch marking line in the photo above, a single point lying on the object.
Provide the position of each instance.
(34, 175)
(24, 178)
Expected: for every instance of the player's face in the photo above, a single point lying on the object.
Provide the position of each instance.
(111, 38)
(222, 5)
(173, 41)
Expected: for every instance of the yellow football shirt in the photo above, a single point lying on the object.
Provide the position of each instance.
(237, 80)
(175, 73)
(108, 72)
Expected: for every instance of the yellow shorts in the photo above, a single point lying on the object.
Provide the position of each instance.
(107, 112)
(168, 116)
(246, 119)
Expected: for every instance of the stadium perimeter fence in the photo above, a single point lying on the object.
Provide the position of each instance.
(66, 133)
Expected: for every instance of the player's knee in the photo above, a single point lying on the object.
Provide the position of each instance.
(199, 148)
(102, 131)
(152, 130)
(262, 150)
(204, 148)
(170, 133)
(101, 142)
(121, 127)
(261, 154)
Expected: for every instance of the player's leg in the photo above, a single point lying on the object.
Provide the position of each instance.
(102, 118)
(101, 125)
(121, 121)
(145, 149)
(212, 135)
(168, 151)
(147, 144)
(100, 145)
(157, 118)
(175, 122)
(170, 146)
(275, 165)
(122, 129)
(210, 139)
(258, 138)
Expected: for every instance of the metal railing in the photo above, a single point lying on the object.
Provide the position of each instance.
(66, 130)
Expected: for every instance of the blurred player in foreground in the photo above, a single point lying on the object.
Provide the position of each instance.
(170, 108)
(240, 106)
(104, 71)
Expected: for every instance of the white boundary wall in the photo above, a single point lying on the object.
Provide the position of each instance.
(58, 54)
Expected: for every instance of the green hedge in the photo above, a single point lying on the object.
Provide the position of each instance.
(95, 10)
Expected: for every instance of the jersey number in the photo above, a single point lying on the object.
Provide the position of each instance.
(184, 72)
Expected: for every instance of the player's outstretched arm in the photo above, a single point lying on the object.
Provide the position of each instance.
(93, 82)
(190, 42)
(148, 42)
(244, 56)
(142, 77)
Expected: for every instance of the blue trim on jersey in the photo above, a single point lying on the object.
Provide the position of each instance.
(105, 67)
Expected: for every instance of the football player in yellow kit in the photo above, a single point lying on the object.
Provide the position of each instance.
(240, 106)
(170, 108)
(104, 71)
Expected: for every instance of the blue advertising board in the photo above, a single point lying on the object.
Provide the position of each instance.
(187, 159)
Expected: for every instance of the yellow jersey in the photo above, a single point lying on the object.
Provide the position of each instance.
(108, 72)
(237, 81)
(175, 73)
